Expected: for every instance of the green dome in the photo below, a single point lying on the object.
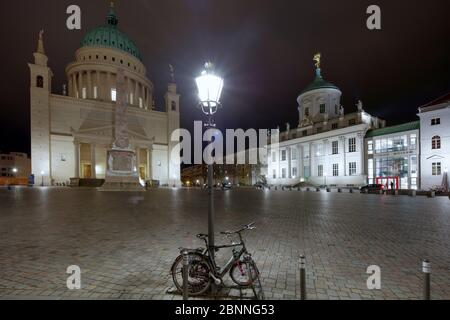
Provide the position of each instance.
(319, 83)
(111, 37)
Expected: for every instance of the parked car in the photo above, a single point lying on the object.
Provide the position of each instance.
(227, 186)
(372, 188)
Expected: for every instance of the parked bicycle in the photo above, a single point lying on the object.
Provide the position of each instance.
(203, 270)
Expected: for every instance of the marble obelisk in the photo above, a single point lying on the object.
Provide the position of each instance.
(121, 173)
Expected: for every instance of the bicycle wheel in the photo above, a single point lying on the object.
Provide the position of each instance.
(244, 273)
(199, 280)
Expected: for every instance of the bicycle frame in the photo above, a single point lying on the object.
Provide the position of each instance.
(222, 272)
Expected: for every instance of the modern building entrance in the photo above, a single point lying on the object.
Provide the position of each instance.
(389, 182)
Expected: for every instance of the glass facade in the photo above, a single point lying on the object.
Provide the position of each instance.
(394, 159)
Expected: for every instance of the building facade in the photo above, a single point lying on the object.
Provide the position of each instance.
(435, 141)
(327, 147)
(71, 133)
(15, 165)
(393, 156)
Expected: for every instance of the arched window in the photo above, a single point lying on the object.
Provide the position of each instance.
(40, 81)
(436, 142)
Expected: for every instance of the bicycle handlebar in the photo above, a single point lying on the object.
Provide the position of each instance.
(249, 226)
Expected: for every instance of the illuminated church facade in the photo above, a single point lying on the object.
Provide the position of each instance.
(71, 133)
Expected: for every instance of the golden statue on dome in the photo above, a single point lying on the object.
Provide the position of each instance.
(317, 58)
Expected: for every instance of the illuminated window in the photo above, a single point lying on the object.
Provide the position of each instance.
(436, 142)
(141, 103)
(352, 145)
(84, 93)
(352, 168)
(370, 147)
(335, 147)
(320, 170)
(113, 95)
(336, 170)
(95, 92)
(436, 169)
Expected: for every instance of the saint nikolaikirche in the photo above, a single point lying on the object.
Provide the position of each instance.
(71, 133)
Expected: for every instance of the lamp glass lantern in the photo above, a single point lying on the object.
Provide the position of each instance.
(210, 88)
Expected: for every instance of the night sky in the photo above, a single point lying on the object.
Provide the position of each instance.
(263, 49)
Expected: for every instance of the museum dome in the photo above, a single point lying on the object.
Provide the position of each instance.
(319, 83)
(111, 37)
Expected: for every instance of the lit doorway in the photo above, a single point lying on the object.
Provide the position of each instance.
(86, 172)
(389, 183)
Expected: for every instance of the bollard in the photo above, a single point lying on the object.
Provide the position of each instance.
(433, 194)
(413, 193)
(302, 278)
(318, 189)
(339, 190)
(328, 190)
(381, 192)
(366, 191)
(185, 275)
(307, 189)
(396, 192)
(351, 190)
(426, 269)
(299, 189)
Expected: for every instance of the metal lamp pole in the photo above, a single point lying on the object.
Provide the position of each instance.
(210, 89)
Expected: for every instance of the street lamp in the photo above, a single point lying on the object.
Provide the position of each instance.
(42, 178)
(14, 170)
(209, 91)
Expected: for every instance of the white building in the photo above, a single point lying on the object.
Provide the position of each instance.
(435, 141)
(393, 155)
(327, 147)
(71, 133)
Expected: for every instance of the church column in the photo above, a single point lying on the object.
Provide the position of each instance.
(70, 86)
(143, 96)
(80, 85)
(93, 162)
(108, 87)
(90, 94)
(76, 145)
(97, 84)
(149, 164)
(300, 161)
(311, 159)
(74, 84)
(138, 161)
(136, 97)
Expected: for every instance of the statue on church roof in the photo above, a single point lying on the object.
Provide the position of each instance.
(317, 58)
(359, 105)
(172, 73)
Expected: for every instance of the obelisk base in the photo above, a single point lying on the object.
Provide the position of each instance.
(121, 174)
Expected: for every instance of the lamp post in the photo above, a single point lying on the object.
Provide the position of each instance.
(209, 91)
(42, 178)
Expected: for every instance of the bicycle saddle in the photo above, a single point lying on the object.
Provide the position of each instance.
(202, 236)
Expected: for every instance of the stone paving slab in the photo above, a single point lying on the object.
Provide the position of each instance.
(125, 243)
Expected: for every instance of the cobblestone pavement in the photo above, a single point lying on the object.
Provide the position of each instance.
(125, 243)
